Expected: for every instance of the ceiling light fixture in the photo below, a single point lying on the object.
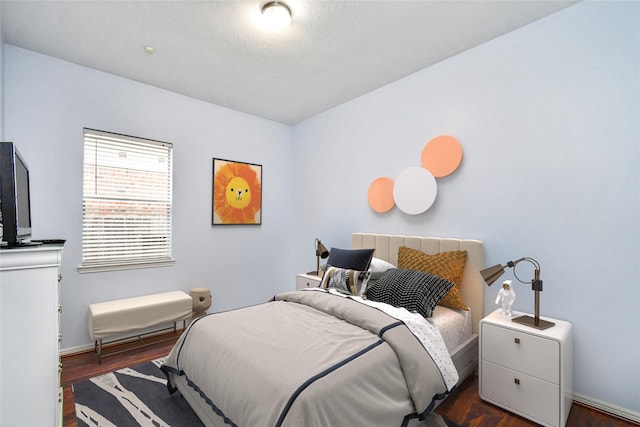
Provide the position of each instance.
(277, 15)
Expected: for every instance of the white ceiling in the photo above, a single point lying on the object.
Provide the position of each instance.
(217, 51)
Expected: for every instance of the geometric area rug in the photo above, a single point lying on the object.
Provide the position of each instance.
(135, 396)
(138, 396)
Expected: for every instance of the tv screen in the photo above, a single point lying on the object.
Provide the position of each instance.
(15, 202)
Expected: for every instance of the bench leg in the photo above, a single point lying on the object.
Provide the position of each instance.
(97, 345)
(98, 348)
(184, 325)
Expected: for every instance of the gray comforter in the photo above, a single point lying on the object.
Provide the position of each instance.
(307, 359)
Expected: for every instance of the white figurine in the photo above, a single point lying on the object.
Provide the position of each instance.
(507, 297)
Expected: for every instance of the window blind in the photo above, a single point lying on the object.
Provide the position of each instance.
(127, 193)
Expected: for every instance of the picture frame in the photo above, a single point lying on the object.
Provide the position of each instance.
(236, 193)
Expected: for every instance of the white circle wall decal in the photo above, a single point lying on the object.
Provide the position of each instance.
(415, 190)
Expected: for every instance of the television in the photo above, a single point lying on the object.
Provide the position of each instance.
(15, 204)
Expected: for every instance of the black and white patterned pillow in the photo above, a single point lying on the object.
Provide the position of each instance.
(414, 290)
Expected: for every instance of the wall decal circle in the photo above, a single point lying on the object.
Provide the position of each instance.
(442, 155)
(415, 190)
(380, 194)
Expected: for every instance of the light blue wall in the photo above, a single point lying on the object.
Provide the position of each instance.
(1, 137)
(50, 101)
(549, 120)
(1, 80)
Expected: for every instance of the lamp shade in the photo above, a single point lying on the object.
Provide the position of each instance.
(492, 274)
(321, 250)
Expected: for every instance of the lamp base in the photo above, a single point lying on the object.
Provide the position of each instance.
(531, 321)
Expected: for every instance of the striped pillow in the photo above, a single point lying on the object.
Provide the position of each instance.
(411, 289)
(349, 281)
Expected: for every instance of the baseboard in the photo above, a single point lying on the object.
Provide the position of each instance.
(608, 408)
(121, 339)
(76, 350)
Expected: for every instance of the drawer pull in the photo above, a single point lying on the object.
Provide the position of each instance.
(516, 340)
(516, 380)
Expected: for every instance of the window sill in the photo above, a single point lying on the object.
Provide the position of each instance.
(98, 268)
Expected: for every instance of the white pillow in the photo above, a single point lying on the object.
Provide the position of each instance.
(379, 265)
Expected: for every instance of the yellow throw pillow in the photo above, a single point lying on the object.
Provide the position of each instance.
(448, 265)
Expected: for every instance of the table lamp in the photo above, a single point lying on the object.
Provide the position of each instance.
(492, 274)
(321, 252)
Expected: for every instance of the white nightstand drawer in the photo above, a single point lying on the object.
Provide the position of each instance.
(521, 393)
(307, 281)
(534, 355)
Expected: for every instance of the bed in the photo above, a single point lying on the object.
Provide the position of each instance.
(320, 357)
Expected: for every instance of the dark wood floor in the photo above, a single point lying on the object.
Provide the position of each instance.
(464, 406)
(82, 366)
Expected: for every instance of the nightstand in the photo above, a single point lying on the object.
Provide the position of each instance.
(305, 280)
(525, 370)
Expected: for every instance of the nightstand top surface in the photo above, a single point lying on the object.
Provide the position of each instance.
(310, 276)
(560, 330)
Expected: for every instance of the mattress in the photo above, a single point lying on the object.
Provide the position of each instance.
(455, 325)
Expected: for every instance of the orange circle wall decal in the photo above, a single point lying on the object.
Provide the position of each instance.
(380, 194)
(442, 155)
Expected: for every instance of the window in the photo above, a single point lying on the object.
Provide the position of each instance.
(126, 206)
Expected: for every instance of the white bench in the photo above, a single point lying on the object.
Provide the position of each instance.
(110, 318)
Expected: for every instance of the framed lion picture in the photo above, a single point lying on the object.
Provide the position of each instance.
(237, 193)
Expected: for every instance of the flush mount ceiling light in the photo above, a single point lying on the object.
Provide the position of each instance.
(276, 15)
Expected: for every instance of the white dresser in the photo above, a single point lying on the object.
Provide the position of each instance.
(30, 367)
(525, 370)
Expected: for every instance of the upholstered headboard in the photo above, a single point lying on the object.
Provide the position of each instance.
(472, 286)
